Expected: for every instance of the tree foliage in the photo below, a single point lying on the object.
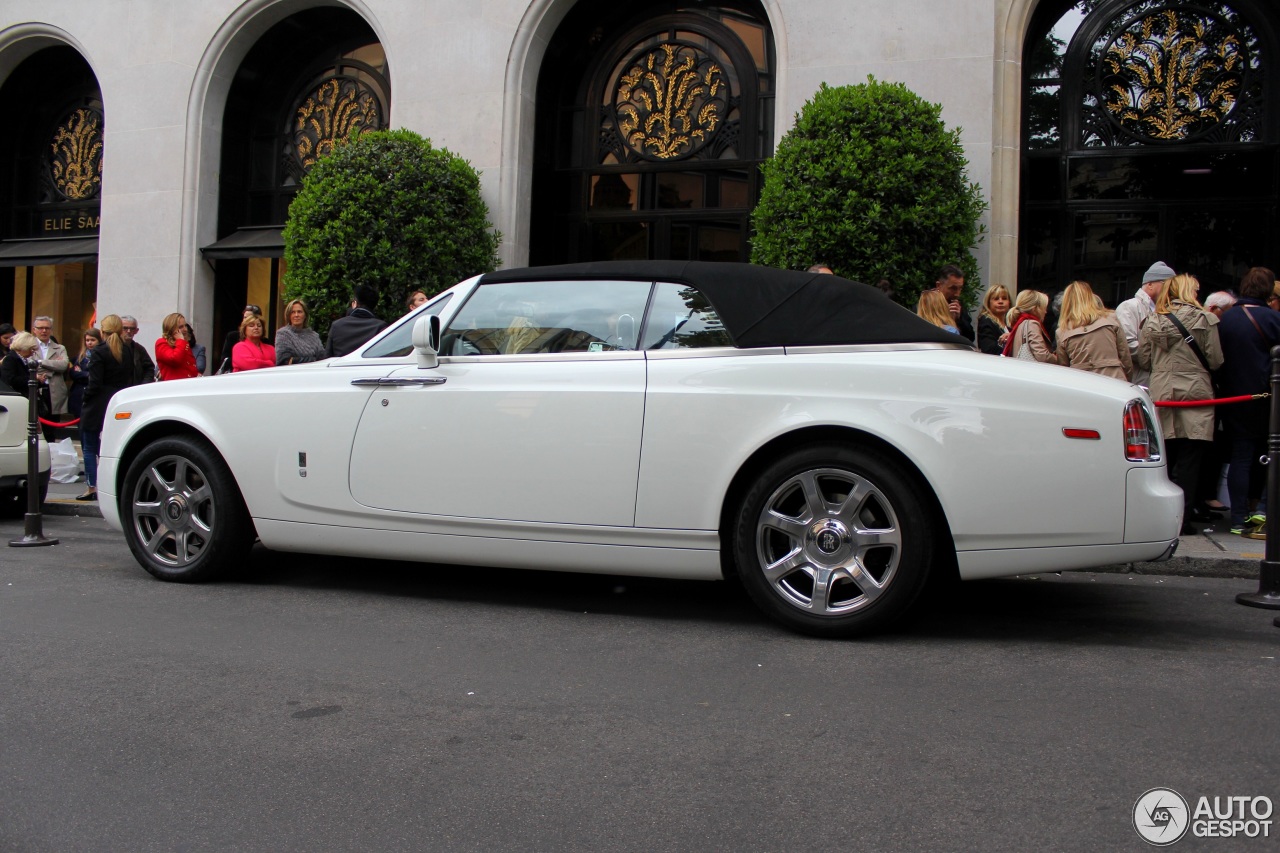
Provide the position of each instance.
(871, 181)
(389, 210)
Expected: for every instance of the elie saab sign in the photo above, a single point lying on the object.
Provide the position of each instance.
(73, 176)
(69, 224)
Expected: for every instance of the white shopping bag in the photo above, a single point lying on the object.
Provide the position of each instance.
(64, 462)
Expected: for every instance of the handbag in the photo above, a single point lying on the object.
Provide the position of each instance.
(1024, 349)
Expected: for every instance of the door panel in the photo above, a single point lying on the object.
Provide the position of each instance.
(551, 438)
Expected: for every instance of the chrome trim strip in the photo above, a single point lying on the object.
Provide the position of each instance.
(904, 347)
(712, 352)
(609, 355)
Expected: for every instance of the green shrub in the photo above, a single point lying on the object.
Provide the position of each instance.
(871, 181)
(389, 210)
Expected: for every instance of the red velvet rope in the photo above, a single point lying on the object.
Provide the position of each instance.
(59, 424)
(1191, 404)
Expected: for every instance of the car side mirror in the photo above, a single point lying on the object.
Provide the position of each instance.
(426, 340)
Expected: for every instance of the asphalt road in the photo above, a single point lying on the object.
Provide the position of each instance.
(319, 704)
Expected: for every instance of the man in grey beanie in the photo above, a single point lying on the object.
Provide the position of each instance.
(1132, 312)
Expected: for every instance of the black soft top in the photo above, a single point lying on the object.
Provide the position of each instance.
(765, 306)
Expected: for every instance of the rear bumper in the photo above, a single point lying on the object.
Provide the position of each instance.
(13, 463)
(1152, 506)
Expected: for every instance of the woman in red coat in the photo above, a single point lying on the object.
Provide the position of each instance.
(251, 353)
(174, 358)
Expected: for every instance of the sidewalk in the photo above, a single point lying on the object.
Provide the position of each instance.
(1211, 553)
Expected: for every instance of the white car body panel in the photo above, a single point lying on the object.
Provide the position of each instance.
(552, 440)
(621, 461)
(14, 433)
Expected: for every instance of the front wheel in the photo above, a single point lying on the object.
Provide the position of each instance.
(182, 512)
(834, 541)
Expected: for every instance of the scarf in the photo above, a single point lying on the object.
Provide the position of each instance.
(1013, 331)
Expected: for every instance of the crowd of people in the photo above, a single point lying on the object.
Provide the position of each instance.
(110, 359)
(1186, 353)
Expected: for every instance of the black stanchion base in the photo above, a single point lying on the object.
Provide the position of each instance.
(1268, 594)
(1267, 600)
(34, 535)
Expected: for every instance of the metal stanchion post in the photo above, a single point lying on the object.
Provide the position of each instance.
(33, 534)
(1268, 594)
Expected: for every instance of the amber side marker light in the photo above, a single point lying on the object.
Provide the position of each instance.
(1091, 434)
(123, 416)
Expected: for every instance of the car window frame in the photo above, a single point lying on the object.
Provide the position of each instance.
(615, 354)
(441, 300)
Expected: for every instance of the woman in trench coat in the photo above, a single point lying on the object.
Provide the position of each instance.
(1177, 374)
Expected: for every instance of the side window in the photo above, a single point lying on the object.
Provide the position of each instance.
(681, 317)
(399, 342)
(520, 318)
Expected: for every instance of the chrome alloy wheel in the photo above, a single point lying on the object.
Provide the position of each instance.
(828, 541)
(174, 516)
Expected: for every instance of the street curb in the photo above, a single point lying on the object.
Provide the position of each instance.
(1189, 567)
(84, 509)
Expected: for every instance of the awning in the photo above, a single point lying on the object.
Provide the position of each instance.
(51, 250)
(257, 242)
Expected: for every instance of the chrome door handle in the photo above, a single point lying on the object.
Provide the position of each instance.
(399, 381)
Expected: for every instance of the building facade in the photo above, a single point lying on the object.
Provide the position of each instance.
(152, 148)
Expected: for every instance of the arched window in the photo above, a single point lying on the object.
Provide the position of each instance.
(1149, 133)
(52, 149)
(309, 81)
(649, 141)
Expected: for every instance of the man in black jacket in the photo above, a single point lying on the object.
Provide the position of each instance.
(144, 369)
(950, 282)
(1247, 331)
(349, 333)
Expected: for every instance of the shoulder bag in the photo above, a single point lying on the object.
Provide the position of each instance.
(1191, 342)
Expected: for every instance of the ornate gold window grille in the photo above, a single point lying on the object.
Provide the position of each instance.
(670, 101)
(334, 109)
(1169, 73)
(75, 155)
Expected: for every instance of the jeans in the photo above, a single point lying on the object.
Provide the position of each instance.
(91, 444)
(1244, 456)
(1184, 467)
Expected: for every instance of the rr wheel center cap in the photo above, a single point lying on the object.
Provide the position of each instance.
(175, 509)
(829, 536)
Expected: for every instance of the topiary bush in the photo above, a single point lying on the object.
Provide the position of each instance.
(871, 181)
(386, 209)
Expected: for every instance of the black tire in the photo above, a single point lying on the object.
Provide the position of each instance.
(841, 566)
(182, 512)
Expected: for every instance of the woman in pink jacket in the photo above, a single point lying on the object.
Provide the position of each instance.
(251, 353)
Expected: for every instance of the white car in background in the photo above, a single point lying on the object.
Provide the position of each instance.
(797, 433)
(13, 454)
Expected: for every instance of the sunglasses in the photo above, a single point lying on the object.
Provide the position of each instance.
(253, 309)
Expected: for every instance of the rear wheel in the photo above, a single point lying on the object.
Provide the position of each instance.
(183, 516)
(834, 541)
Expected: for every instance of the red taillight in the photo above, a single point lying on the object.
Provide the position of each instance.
(1141, 443)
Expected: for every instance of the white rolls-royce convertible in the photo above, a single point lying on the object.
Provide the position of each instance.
(799, 434)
